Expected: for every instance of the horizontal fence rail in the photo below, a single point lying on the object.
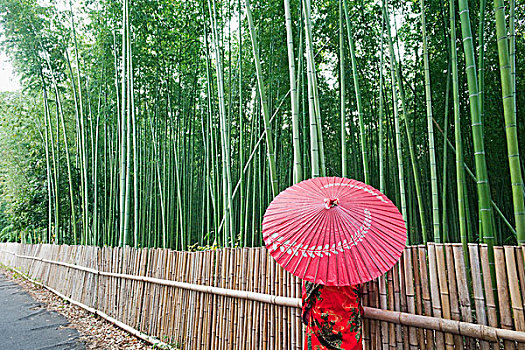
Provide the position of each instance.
(240, 298)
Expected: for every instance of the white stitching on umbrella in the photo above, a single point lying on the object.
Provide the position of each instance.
(290, 247)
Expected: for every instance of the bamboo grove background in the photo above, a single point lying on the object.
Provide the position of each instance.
(126, 284)
(174, 123)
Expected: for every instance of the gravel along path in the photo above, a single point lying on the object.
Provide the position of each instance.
(33, 318)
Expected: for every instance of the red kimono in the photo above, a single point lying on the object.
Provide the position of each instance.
(332, 316)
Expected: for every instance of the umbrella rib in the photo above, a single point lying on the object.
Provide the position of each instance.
(384, 240)
(359, 250)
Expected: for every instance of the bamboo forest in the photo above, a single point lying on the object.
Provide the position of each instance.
(174, 123)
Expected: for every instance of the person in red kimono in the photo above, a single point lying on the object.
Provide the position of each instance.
(333, 317)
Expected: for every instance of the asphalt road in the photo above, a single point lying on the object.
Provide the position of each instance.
(26, 324)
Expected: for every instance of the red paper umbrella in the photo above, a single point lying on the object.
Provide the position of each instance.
(334, 231)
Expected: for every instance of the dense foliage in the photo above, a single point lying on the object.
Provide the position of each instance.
(144, 123)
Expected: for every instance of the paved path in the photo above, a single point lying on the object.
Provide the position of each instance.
(26, 325)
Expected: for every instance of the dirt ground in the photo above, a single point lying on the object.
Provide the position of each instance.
(95, 332)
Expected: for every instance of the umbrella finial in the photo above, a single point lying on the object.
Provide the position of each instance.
(331, 202)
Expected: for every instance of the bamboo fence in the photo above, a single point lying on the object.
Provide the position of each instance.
(436, 297)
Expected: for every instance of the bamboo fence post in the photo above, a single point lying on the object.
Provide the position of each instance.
(87, 287)
(187, 261)
(514, 290)
(175, 306)
(94, 277)
(383, 301)
(453, 292)
(65, 284)
(477, 289)
(290, 292)
(251, 273)
(163, 295)
(410, 296)
(197, 329)
(503, 294)
(232, 302)
(521, 271)
(135, 296)
(157, 292)
(391, 303)
(124, 284)
(152, 290)
(378, 328)
(114, 281)
(193, 300)
(434, 292)
(179, 276)
(211, 298)
(119, 285)
(270, 314)
(214, 301)
(418, 292)
(444, 291)
(218, 303)
(107, 280)
(280, 333)
(132, 268)
(102, 263)
(371, 303)
(487, 283)
(225, 307)
(397, 305)
(190, 300)
(134, 262)
(147, 290)
(138, 289)
(200, 327)
(365, 322)
(168, 297)
(300, 328)
(86, 300)
(405, 331)
(240, 284)
(262, 329)
(144, 261)
(207, 306)
(463, 290)
(241, 332)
